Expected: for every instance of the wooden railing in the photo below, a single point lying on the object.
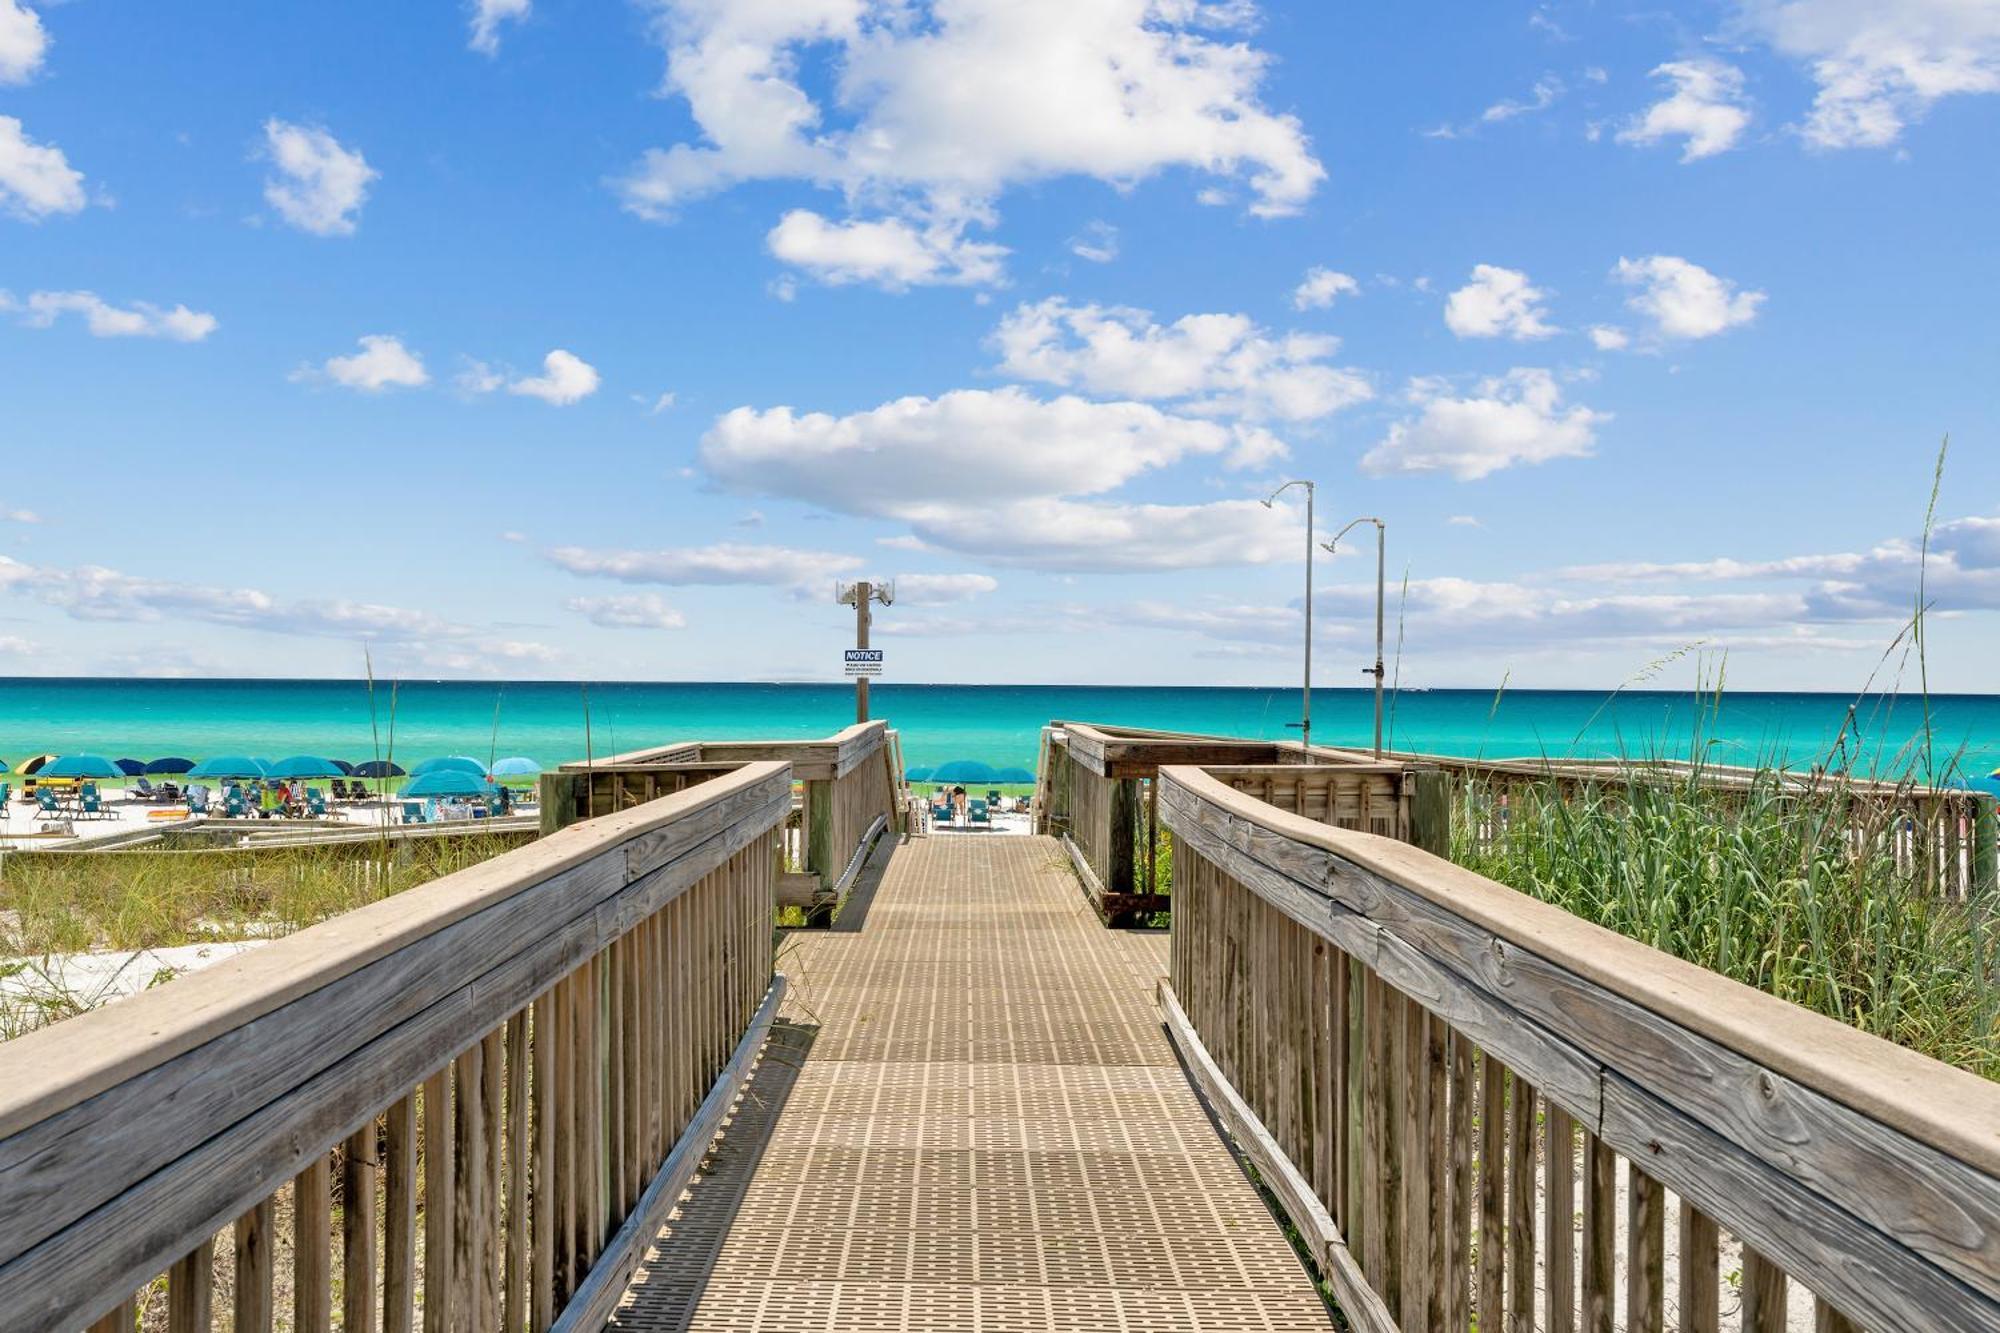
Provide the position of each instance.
(1481, 1111)
(1094, 785)
(1098, 792)
(510, 1072)
(852, 791)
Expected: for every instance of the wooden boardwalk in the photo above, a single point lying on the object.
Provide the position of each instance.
(972, 1120)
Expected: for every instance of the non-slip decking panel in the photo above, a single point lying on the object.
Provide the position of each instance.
(973, 1122)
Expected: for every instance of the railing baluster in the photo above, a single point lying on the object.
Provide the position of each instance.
(359, 1312)
(255, 1271)
(1645, 1263)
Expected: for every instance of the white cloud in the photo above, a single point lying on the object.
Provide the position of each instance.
(642, 610)
(478, 377)
(319, 185)
(1540, 98)
(1213, 364)
(1498, 302)
(935, 109)
(1097, 242)
(35, 179)
(20, 516)
(1464, 521)
(139, 320)
(382, 363)
(942, 589)
(97, 593)
(887, 251)
(967, 446)
(23, 42)
(1513, 419)
(1880, 64)
(657, 404)
(996, 473)
(565, 379)
(1707, 108)
(1685, 300)
(723, 564)
(488, 15)
(1609, 338)
(1322, 286)
(1113, 537)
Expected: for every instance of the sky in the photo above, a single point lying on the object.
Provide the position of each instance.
(575, 339)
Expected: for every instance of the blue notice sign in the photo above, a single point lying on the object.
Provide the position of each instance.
(863, 661)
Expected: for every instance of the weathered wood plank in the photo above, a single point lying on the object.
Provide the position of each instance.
(359, 1312)
(1362, 1306)
(255, 1271)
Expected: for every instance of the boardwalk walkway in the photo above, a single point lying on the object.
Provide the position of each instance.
(973, 1121)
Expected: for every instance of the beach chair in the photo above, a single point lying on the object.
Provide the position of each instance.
(315, 803)
(90, 805)
(144, 789)
(233, 804)
(197, 800)
(413, 813)
(46, 803)
(979, 814)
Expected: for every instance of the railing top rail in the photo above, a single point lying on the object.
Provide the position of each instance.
(54, 1068)
(841, 751)
(1951, 1110)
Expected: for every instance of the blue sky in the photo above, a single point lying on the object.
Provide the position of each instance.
(540, 338)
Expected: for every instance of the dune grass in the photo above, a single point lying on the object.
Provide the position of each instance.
(54, 903)
(1796, 889)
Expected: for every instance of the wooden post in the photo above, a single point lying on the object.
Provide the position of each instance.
(559, 795)
(1985, 846)
(1120, 858)
(820, 850)
(1430, 810)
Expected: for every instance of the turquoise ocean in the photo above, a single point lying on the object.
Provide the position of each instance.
(998, 724)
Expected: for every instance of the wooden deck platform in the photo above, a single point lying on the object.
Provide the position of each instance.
(971, 1120)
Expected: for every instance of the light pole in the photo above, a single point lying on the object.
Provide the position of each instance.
(1306, 690)
(1381, 544)
(859, 595)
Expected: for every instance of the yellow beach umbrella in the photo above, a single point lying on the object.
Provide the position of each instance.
(35, 765)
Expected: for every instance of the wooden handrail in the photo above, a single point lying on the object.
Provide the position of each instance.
(1866, 1171)
(621, 958)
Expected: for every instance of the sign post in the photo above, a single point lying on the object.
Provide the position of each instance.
(862, 662)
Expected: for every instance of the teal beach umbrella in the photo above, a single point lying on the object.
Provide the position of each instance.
(305, 766)
(228, 766)
(463, 763)
(83, 766)
(448, 782)
(516, 766)
(964, 770)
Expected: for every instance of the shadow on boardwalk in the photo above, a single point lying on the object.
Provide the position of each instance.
(667, 1289)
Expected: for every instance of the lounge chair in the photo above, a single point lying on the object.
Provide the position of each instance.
(233, 804)
(413, 813)
(979, 815)
(144, 789)
(197, 800)
(315, 803)
(6, 795)
(90, 806)
(46, 803)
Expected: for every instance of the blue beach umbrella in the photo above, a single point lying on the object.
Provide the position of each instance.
(228, 766)
(82, 766)
(378, 768)
(448, 782)
(172, 763)
(305, 766)
(964, 770)
(463, 763)
(1013, 775)
(516, 766)
(131, 768)
(346, 769)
